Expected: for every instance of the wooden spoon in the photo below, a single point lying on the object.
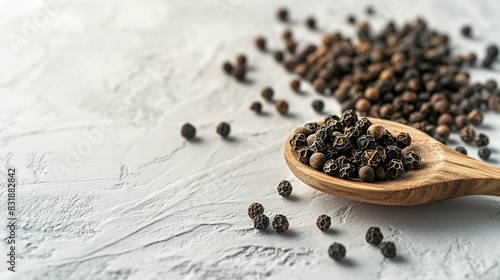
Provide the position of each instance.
(443, 174)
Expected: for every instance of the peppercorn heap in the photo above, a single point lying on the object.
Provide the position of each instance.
(348, 147)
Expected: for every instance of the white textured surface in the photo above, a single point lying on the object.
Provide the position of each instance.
(142, 203)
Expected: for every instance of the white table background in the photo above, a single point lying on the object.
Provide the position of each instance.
(92, 99)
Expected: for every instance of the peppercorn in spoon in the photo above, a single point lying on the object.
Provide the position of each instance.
(443, 174)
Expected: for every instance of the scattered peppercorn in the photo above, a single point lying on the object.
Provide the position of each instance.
(261, 222)
(267, 93)
(311, 23)
(467, 31)
(318, 105)
(370, 11)
(260, 43)
(467, 134)
(475, 117)
(255, 209)
(227, 67)
(351, 19)
(241, 59)
(484, 153)
(481, 140)
(282, 107)
(239, 73)
(256, 107)
(324, 222)
(278, 56)
(336, 251)
(223, 129)
(283, 14)
(285, 188)
(461, 150)
(188, 131)
(374, 236)
(291, 45)
(295, 85)
(280, 223)
(388, 249)
(287, 34)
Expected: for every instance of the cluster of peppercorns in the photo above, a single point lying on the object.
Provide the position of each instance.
(348, 147)
(374, 237)
(406, 74)
(239, 70)
(261, 221)
(188, 131)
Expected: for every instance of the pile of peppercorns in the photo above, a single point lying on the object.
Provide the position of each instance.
(348, 147)
(405, 74)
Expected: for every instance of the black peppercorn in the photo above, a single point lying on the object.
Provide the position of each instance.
(239, 73)
(411, 160)
(467, 134)
(347, 171)
(298, 140)
(403, 140)
(336, 251)
(331, 167)
(188, 131)
(290, 46)
(261, 222)
(255, 209)
(374, 236)
(223, 129)
(481, 140)
(461, 150)
(467, 31)
(371, 158)
(283, 14)
(278, 56)
(318, 146)
(311, 23)
(304, 154)
(260, 42)
(388, 249)
(280, 223)
(366, 174)
(351, 19)
(241, 59)
(370, 11)
(295, 85)
(227, 67)
(318, 105)
(395, 168)
(256, 107)
(484, 153)
(312, 127)
(380, 173)
(341, 143)
(376, 131)
(324, 222)
(492, 51)
(282, 107)
(349, 118)
(267, 93)
(285, 188)
(475, 117)
(366, 142)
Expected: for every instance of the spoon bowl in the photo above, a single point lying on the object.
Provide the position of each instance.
(444, 173)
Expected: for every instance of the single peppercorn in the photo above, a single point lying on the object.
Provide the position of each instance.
(374, 236)
(283, 14)
(467, 31)
(311, 23)
(260, 42)
(227, 67)
(370, 11)
(255, 209)
(481, 140)
(380, 173)
(223, 129)
(388, 249)
(304, 154)
(475, 117)
(310, 139)
(403, 140)
(467, 134)
(256, 107)
(461, 150)
(304, 130)
(351, 19)
(239, 73)
(324, 222)
(484, 153)
(295, 85)
(267, 93)
(366, 142)
(411, 160)
(375, 131)
(317, 160)
(347, 171)
(336, 251)
(349, 118)
(392, 152)
(287, 34)
(285, 188)
(342, 144)
(280, 223)
(318, 105)
(443, 132)
(371, 158)
(188, 131)
(331, 167)
(278, 56)
(241, 59)
(395, 168)
(367, 174)
(492, 51)
(261, 222)
(291, 46)
(282, 107)
(298, 140)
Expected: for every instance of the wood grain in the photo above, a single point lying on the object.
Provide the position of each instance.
(443, 174)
